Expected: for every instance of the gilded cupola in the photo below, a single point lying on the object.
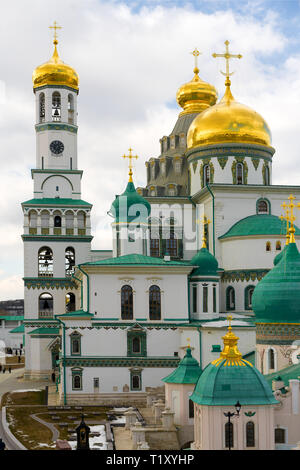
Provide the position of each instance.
(55, 71)
(196, 95)
(228, 121)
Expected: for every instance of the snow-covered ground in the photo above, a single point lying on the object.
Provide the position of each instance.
(26, 390)
(95, 442)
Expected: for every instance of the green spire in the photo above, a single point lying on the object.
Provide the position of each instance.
(187, 372)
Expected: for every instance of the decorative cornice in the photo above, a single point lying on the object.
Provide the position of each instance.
(49, 283)
(170, 362)
(226, 150)
(277, 333)
(57, 238)
(243, 275)
(58, 126)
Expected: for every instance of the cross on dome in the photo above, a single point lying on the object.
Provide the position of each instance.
(227, 56)
(290, 217)
(130, 157)
(55, 27)
(196, 54)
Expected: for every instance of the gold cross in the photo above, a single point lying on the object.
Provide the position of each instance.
(229, 318)
(55, 27)
(130, 157)
(188, 341)
(287, 218)
(290, 217)
(227, 56)
(196, 54)
(204, 221)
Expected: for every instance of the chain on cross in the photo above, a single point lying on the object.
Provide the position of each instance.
(227, 56)
(130, 157)
(55, 27)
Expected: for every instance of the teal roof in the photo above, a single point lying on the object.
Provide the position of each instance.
(276, 298)
(130, 206)
(45, 331)
(279, 256)
(12, 317)
(137, 260)
(206, 262)
(76, 313)
(286, 374)
(56, 201)
(18, 329)
(187, 372)
(259, 224)
(222, 384)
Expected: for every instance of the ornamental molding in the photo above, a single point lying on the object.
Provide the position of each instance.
(243, 275)
(249, 150)
(222, 162)
(56, 127)
(46, 283)
(255, 162)
(121, 362)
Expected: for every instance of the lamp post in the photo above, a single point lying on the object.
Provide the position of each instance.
(230, 415)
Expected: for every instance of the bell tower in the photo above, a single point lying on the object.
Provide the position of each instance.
(57, 230)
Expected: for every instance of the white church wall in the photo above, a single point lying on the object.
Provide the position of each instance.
(73, 178)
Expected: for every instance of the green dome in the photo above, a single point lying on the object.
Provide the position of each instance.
(223, 384)
(279, 256)
(208, 265)
(187, 372)
(259, 224)
(123, 210)
(276, 298)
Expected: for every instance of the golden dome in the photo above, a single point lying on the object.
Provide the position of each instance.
(228, 121)
(196, 95)
(55, 72)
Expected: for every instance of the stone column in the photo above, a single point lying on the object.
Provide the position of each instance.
(137, 434)
(158, 408)
(130, 417)
(167, 418)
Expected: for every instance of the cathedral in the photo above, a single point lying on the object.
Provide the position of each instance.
(188, 248)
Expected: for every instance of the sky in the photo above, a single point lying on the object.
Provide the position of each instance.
(131, 57)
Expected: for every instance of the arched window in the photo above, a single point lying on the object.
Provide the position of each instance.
(45, 218)
(69, 223)
(206, 174)
(57, 221)
(126, 303)
(229, 435)
(69, 261)
(248, 297)
(239, 173)
(32, 222)
(45, 305)
(230, 298)
(171, 244)
(136, 345)
(268, 246)
(81, 222)
(42, 107)
(250, 434)
(77, 382)
(70, 302)
(154, 303)
(271, 359)
(70, 109)
(75, 343)
(278, 245)
(263, 206)
(155, 237)
(56, 106)
(135, 382)
(45, 262)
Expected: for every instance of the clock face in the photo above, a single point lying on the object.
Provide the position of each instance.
(57, 147)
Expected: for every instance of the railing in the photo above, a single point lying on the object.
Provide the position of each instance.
(46, 314)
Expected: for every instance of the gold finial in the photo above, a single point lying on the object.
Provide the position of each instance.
(289, 208)
(196, 54)
(227, 56)
(188, 341)
(231, 353)
(55, 27)
(286, 217)
(130, 157)
(205, 221)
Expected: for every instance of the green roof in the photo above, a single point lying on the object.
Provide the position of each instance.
(187, 372)
(206, 262)
(130, 206)
(222, 384)
(56, 201)
(12, 317)
(18, 329)
(137, 260)
(286, 374)
(259, 224)
(45, 331)
(276, 298)
(76, 313)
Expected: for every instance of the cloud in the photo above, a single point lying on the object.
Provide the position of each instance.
(131, 58)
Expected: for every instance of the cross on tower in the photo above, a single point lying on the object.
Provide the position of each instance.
(130, 157)
(196, 54)
(227, 56)
(55, 27)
